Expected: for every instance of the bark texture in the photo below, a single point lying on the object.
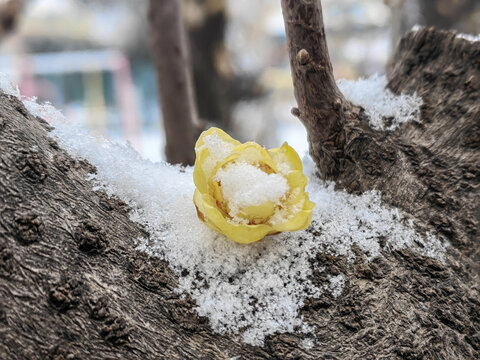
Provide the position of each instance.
(174, 72)
(73, 287)
(429, 169)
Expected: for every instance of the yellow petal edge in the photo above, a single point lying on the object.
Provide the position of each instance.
(258, 221)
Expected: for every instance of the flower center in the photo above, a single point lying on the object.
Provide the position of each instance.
(248, 187)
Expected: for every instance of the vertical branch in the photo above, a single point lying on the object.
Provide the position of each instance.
(172, 62)
(320, 102)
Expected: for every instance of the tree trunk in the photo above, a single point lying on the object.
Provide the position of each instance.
(72, 285)
(172, 62)
(429, 169)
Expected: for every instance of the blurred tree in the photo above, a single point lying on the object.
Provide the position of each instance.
(9, 11)
(172, 61)
(217, 86)
(459, 15)
(450, 14)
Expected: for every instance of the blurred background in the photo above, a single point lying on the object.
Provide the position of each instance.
(92, 59)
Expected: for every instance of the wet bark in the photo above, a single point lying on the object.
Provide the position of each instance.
(72, 285)
(174, 74)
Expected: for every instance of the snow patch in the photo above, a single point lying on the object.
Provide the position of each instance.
(45, 110)
(7, 86)
(254, 290)
(251, 290)
(416, 28)
(336, 284)
(308, 343)
(380, 104)
(469, 37)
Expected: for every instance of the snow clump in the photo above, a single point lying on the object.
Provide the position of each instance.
(246, 185)
(380, 103)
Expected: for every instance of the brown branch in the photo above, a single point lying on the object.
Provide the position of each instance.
(320, 103)
(405, 165)
(172, 62)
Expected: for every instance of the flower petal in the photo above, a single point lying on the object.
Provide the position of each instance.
(199, 177)
(299, 221)
(239, 233)
(217, 151)
(297, 182)
(213, 146)
(288, 156)
(253, 153)
(215, 131)
(258, 214)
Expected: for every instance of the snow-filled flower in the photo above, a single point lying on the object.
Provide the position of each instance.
(247, 192)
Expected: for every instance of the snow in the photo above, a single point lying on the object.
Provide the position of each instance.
(380, 103)
(253, 290)
(469, 37)
(245, 185)
(250, 290)
(218, 149)
(308, 343)
(7, 86)
(416, 28)
(336, 284)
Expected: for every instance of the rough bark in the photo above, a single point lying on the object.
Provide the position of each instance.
(72, 285)
(429, 169)
(320, 102)
(174, 73)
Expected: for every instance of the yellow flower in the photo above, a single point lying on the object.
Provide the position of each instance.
(247, 192)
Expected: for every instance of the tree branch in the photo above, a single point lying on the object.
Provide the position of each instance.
(172, 62)
(321, 105)
(405, 164)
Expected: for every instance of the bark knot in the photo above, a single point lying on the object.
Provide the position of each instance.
(29, 228)
(90, 237)
(116, 330)
(303, 57)
(30, 165)
(66, 295)
(98, 308)
(7, 261)
(295, 112)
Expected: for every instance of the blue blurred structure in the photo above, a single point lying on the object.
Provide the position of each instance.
(101, 89)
